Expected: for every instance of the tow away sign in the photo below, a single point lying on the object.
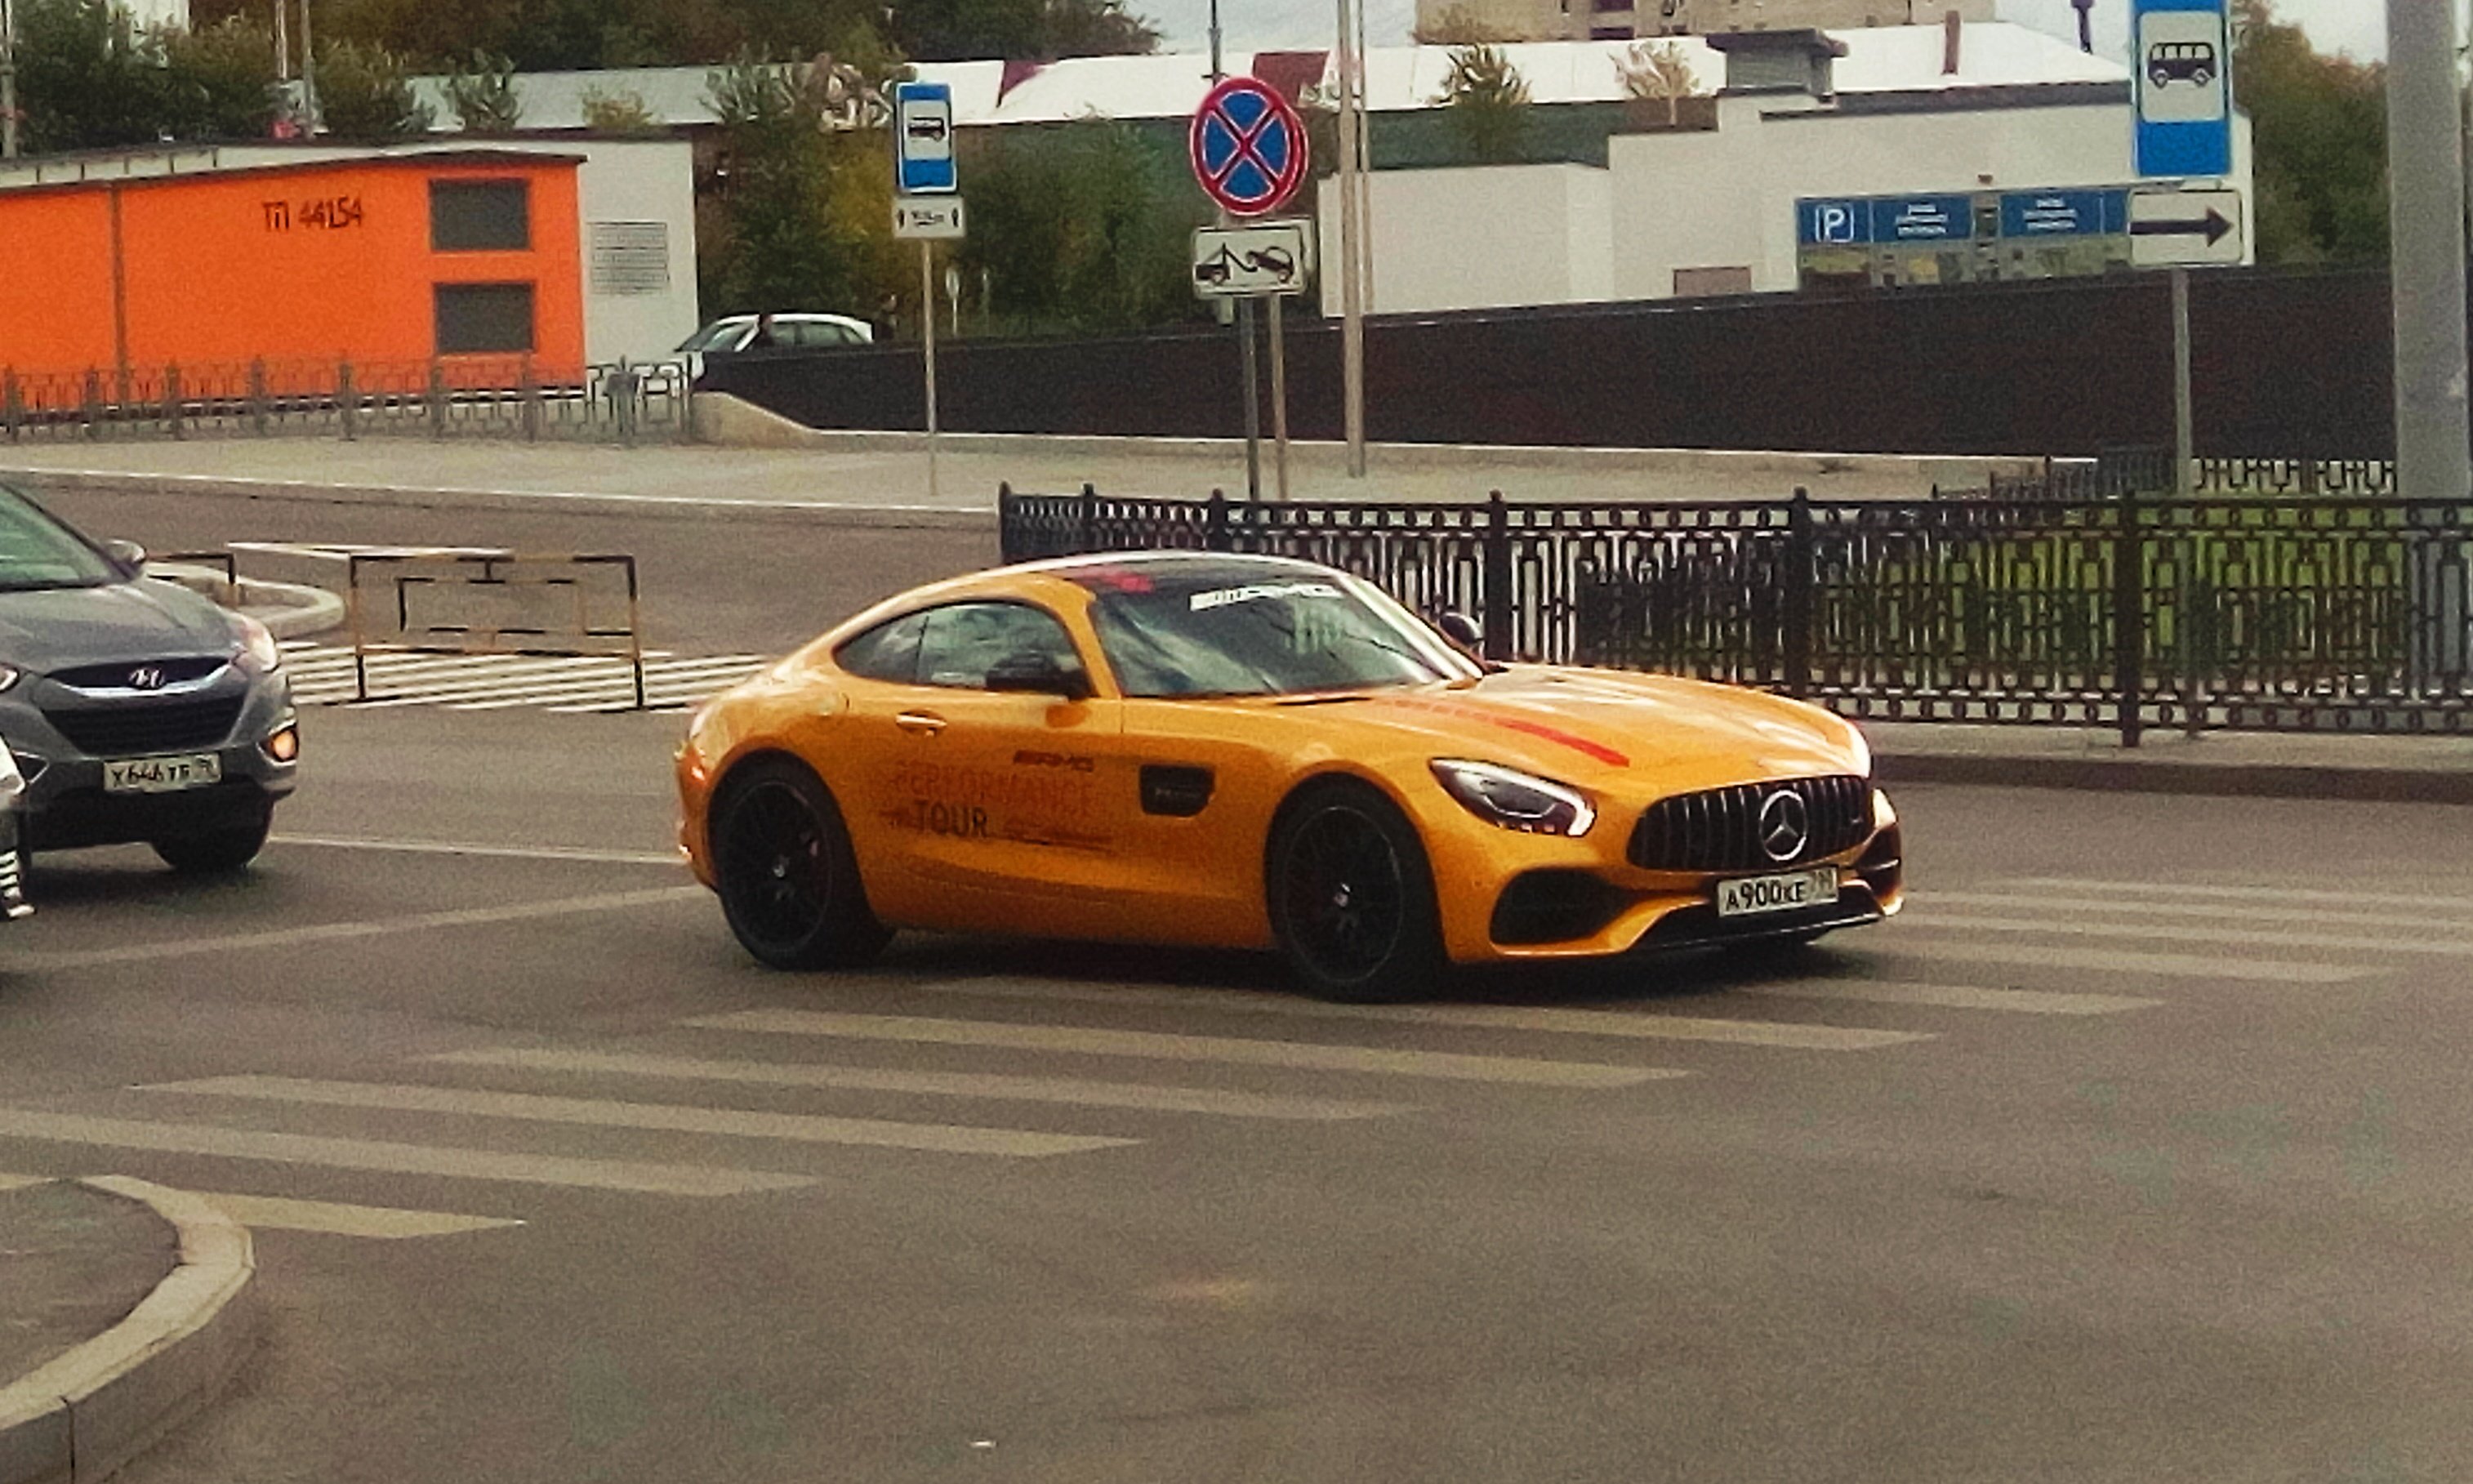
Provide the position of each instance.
(2191, 228)
(1240, 262)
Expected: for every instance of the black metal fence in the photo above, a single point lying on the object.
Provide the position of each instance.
(2251, 612)
(499, 397)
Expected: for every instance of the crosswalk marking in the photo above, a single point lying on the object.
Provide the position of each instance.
(23, 1182)
(1068, 1091)
(338, 932)
(1622, 1024)
(2249, 937)
(210, 1142)
(2229, 910)
(2153, 889)
(1158, 1046)
(376, 1223)
(2167, 966)
(566, 853)
(1951, 996)
(324, 674)
(733, 1123)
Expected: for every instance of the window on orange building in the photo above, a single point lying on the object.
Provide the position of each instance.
(485, 318)
(480, 216)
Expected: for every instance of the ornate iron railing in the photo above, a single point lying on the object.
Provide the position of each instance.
(466, 397)
(2255, 612)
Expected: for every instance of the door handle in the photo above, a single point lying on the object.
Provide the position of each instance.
(920, 724)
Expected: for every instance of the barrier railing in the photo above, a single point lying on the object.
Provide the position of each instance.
(464, 397)
(2250, 612)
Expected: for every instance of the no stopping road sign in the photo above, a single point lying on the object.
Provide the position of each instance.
(1248, 147)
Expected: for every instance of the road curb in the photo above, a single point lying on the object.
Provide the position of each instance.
(87, 1414)
(2139, 775)
(290, 610)
(45, 481)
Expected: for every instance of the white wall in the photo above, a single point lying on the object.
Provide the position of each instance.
(1482, 237)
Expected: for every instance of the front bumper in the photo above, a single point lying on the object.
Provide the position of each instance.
(65, 806)
(1508, 896)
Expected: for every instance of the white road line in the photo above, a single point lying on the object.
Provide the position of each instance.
(339, 932)
(2151, 889)
(1951, 996)
(2243, 937)
(2168, 965)
(598, 1112)
(1083, 1041)
(500, 851)
(209, 1141)
(1071, 1091)
(1626, 1024)
(23, 1182)
(2222, 911)
(378, 1223)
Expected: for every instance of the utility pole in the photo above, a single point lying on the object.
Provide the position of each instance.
(2426, 208)
(8, 81)
(308, 75)
(283, 40)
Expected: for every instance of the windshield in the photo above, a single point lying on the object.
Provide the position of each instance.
(1253, 629)
(713, 336)
(37, 551)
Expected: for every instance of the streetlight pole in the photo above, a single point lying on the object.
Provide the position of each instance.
(308, 75)
(2426, 209)
(8, 81)
(1352, 245)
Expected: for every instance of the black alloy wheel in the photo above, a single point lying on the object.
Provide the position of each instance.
(1352, 897)
(788, 880)
(223, 850)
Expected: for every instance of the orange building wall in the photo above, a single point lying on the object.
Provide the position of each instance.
(224, 270)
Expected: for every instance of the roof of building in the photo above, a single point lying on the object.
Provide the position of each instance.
(1883, 59)
(132, 174)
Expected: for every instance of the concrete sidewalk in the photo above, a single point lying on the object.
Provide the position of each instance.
(882, 479)
(121, 1312)
(2282, 765)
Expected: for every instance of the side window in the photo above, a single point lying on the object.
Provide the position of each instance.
(965, 640)
(887, 652)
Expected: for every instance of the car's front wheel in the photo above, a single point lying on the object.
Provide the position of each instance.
(788, 878)
(221, 850)
(1352, 897)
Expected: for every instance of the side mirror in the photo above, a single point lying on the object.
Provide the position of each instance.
(1035, 674)
(1462, 630)
(129, 554)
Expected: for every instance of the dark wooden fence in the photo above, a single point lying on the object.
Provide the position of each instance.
(2287, 364)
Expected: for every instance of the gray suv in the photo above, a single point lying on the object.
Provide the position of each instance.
(137, 709)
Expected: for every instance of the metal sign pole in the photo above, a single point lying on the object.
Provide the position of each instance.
(1352, 309)
(927, 323)
(1279, 400)
(1253, 401)
(2184, 437)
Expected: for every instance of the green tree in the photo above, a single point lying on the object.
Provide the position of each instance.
(482, 92)
(364, 94)
(219, 82)
(2318, 129)
(1083, 225)
(85, 78)
(620, 114)
(1488, 102)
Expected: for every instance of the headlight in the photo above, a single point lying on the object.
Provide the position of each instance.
(1516, 801)
(9, 676)
(256, 642)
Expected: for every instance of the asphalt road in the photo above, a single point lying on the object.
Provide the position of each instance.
(2135, 1151)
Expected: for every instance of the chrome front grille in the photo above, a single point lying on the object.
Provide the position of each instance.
(1719, 829)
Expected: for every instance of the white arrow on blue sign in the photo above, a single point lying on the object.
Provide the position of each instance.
(922, 139)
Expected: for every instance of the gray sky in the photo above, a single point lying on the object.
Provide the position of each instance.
(2358, 28)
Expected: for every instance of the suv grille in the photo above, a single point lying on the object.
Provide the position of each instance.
(1720, 830)
(116, 676)
(148, 726)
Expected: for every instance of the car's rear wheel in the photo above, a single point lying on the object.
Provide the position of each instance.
(1352, 897)
(788, 878)
(220, 850)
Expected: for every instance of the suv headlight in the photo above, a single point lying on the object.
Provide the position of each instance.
(10, 675)
(257, 643)
(1516, 801)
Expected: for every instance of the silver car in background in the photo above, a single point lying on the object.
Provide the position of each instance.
(135, 709)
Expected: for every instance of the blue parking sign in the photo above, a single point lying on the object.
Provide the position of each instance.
(1834, 221)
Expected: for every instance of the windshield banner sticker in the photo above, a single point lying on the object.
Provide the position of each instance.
(1202, 601)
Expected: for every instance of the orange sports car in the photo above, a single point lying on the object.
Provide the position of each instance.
(1253, 753)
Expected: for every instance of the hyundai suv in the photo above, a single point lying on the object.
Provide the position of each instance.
(137, 709)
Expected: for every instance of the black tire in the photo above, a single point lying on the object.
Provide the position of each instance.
(1352, 897)
(788, 881)
(226, 849)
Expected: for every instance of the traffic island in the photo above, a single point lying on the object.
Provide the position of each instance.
(124, 1307)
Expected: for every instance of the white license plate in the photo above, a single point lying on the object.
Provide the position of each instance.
(161, 775)
(1788, 892)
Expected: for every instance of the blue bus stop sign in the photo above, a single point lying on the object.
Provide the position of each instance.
(2180, 64)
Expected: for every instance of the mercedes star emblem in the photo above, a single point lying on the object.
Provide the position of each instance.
(1786, 825)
